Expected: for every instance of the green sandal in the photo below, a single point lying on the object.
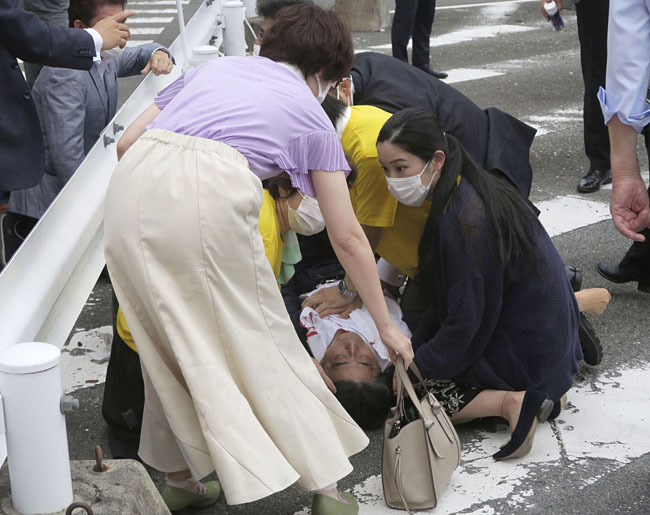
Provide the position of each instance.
(326, 505)
(178, 498)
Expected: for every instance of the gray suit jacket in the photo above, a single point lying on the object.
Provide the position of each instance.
(74, 107)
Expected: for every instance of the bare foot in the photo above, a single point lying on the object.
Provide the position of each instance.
(593, 301)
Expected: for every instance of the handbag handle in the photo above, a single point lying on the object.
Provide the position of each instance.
(403, 378)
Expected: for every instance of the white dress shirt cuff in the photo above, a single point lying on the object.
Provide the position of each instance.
(99, 42)
(637, 116)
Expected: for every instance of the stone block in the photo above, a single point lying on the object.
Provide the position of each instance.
(364, 15)
(124, 488)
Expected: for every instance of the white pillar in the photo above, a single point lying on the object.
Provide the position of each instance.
(234, 40)
(37, 443)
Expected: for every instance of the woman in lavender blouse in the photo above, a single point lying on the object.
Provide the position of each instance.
(228, 385)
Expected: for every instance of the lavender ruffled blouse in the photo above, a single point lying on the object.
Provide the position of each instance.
(261, 109)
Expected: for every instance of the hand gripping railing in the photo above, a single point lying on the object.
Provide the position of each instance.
(46, 284)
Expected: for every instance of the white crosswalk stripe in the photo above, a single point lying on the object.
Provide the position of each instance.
(466, 34)
(155, 19)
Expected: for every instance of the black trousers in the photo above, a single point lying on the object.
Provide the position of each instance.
(123, 401)
(637, 259)
(413, 18)
(592, 32)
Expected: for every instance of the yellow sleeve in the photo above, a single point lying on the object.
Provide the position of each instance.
(374, 205)
(124, 331)
(269, 227)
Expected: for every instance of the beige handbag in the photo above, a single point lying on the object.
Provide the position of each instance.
(419, 455)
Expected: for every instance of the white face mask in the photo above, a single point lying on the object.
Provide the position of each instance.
(256, 49)
(322, 93)
(111, 53)
(307, 219)
(409, 190)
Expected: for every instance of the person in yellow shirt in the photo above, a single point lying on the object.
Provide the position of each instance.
(394, 229)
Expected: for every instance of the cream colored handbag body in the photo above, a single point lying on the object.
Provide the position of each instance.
(419, 456)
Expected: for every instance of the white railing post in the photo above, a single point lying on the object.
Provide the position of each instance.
(234, 39)
(37, 443)
(181, 30)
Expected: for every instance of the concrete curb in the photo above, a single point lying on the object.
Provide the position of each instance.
(125, 487)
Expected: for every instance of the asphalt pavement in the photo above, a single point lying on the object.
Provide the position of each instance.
(596, 457)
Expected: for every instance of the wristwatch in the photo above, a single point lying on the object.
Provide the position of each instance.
(343, 290)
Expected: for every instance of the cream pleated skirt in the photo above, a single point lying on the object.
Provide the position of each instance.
(228, 385)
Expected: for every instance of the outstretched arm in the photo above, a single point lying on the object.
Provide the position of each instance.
(136, 129)
(354, 253)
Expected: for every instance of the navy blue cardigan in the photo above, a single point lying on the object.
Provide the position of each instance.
(496, 325)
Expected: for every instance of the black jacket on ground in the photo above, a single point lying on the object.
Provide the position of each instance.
(23, 35)
(496, 140)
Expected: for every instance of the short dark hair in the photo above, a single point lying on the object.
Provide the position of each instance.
(284, 181)
(334, 108)
(367, 403)
(86, 10)
(270, 8)
(311, 38)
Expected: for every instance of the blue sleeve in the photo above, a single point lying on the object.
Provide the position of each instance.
(34, 41)
(61, 97)
(628, 63)
(134, 59)
(470, 279)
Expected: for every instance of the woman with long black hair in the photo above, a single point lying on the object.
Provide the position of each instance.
(501, 335)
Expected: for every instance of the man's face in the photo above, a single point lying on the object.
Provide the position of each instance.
(348, 358)
(264, 27)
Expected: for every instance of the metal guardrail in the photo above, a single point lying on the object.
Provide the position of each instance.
(46, 284)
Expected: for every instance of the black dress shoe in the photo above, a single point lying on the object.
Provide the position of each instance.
(575, 277)
(615, 274)
(593, 180)
(436, 73)
(535, 408)
(592, 350)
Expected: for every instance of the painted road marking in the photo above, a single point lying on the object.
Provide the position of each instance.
(467, 74)
(556, 121)
(153, 11)
(468, 34)
(155, 19)
(601, 422)
(484, 4)
(509, 3)
(157, 2)
(570, 212)
(137, 31)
